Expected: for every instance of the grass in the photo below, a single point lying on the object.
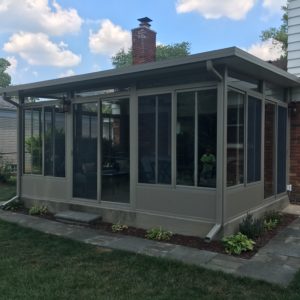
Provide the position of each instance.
(35, 265)
(7, 191)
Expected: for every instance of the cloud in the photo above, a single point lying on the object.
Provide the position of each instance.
(11, 70)
(38, 50)
(268, 50)
(38, 16)
(109, 39)
(215, 9)
(274, 6)
(69, 72)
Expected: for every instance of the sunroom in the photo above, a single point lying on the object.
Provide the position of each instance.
(190, 144)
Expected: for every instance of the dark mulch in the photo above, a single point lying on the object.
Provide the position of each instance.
(192, 241)
(199, 243)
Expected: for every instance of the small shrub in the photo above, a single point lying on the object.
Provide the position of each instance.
(159, 234)
(238, 243)
(37, 210)
(252, 227)
(273, 216)
(271, 224)
(12, 180)
(118, 227)
(14, 205)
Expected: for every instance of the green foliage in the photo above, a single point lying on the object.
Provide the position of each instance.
(237, 243)
(252, 227)
(118, 227)
(272, 219)
(6, 174)
(124, 59)
(14, 205)
(5, 78)
(33, 146)
(159, 234)
(38, 210)
(278, 34)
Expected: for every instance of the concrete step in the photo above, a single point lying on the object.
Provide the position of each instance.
(76, 217)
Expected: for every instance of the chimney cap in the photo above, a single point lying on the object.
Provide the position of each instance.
(145, 21)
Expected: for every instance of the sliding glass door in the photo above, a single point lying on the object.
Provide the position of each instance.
(115, 150)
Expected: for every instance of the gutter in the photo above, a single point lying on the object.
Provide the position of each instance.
(219, 217)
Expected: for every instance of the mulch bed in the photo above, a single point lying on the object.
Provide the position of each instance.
(191, 241)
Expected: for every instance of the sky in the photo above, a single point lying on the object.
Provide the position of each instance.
(47, 39)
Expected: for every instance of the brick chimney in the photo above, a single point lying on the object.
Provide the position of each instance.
(143, 43)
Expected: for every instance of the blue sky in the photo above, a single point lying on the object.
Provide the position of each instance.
(49, 39)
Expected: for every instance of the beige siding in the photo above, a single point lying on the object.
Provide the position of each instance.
(294, 37)
(8, 136)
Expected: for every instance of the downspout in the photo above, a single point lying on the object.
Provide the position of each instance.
(219, 217)
(18, 106)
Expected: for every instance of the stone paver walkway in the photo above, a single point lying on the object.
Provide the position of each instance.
(277, 262)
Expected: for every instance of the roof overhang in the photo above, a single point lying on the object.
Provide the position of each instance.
(233, 57)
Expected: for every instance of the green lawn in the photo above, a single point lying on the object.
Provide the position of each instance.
(34, 265)
(7, 191)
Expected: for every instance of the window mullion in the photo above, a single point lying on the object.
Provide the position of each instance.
(156, 139)
(196, 141)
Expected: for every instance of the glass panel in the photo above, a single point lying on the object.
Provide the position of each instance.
(243, 81)
(59, 140)
(207, 137)
(85, 151)
(49, 151)
(254, 140)
(147, 119)
(36, 141)
(275, 91)
(235, 138)
(281, 150)
(164, 139)
(27, 141)
(115, 150)
(186, 138)
(269, 150)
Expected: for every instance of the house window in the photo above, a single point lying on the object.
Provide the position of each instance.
(281, 149)
(54, 135)
(196, 138)
(254, 140)
(235, 138)
(154, 134)
(33, 141)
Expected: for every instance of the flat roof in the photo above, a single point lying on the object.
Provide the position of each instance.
(233, 57)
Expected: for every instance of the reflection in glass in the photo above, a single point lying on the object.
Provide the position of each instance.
(254, 140)
(27, 144)
(155, 139)
(115, 150)
(33, 141)
(281, 150)
(185, 138)
(85, 150)
(54, 129)
(269, 150)
(235, 138)
(207, 137)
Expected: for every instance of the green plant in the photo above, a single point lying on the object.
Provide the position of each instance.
(157, 233)
(118, 227)
(271, 224)
(237, 243)
(272, 219)
(12, 180)
(252, 227)
(38, 210)
(13, 205)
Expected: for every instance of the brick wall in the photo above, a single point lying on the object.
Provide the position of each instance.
(143, 45)
(295, 152)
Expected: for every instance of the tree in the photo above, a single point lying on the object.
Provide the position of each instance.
(5, 78)
(124, 59)
(278, 34)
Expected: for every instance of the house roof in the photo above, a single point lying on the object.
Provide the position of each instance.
(233, 57)
(4, 105)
